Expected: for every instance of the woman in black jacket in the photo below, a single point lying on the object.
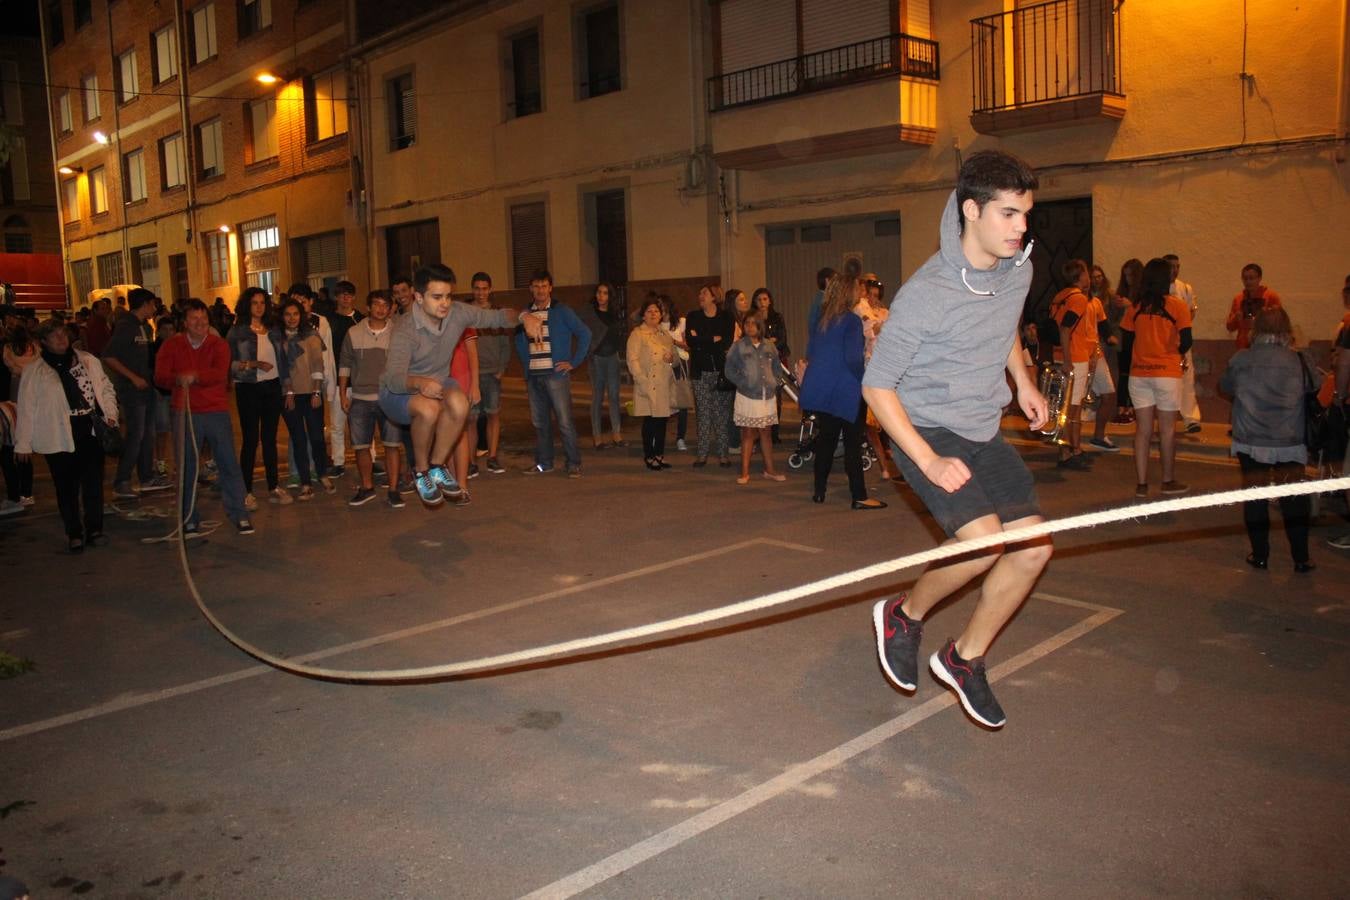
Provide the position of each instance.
(775, 331)
(710, 332)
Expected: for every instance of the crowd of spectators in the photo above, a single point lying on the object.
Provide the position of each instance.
(415, 380)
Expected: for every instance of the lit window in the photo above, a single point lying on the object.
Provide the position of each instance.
(211, 149)
(70, 192)
(172, 162)
(89, 84)
(98, 191)
(262, 117)
(327, 105)
(134, 169)
(218, 255)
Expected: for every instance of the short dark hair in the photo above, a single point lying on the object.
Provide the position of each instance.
(298, 287)
(344, 287)
(191, 304)
(434, 272)
(138, 297)
(986, 173)
(481, 276)
(542, 275)
(1171, 257)
(377, 295)
(1255, 268)
(1072, 270)
(402, 279)
(823, 277)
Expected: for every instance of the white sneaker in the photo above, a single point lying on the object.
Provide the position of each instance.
(281, 496)
(681, 445)
(11, 507)
(27, 501)
(250, 502)
(1340, 543)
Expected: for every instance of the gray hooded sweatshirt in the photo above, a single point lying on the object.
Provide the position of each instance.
(945, 347)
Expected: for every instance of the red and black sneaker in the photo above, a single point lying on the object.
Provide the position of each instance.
(897, 642)
(967, 678)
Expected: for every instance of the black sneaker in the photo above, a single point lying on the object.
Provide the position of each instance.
(362, 497)
(396, 500)
(495, 467)
(473, 470)
(897, 642)
(967, 678)
(244, 526)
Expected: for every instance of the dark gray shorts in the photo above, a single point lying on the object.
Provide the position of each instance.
(1000, 483)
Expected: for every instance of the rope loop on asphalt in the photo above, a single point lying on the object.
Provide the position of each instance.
(651, 630)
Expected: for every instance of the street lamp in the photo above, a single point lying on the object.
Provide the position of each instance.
(71, 170)
(101, 138)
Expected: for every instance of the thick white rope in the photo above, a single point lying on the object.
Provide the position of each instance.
(777, 598)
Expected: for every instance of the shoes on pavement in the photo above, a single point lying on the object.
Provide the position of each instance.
(329, 485)
(1341, 542)
(337, 471)
(427, 488)
(250, 502)
(27, 501)
(1141, 491)
(1193, 428)
(124, 492)
(395, 500)
(306, 492)
(405, 484)
(473, 470)
(10, 507)
(1257, 562)
(681, 444)
(158, 483)
(537, 469)
(1175, 487)
(280, 496)
(968, 679)
(574, 472)
(495, 467)
(1302, 568)
(897, 642)
(1105, 445)
(869, 503)
(480, 452)
(445, 482)
(362, 497)
(775, 476)
(244, 526)
(462, 500)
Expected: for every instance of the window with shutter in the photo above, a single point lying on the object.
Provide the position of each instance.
(134, 176)
(70, 193)
(203, 33)
(324, 258)
(217, 246)
(172, 162)
(166, 54)
(600, 51)
(529, 241)
(98, 191)
(110, 270)
(254, 16)
(127, 85)
(89, 84)
(63, 107)
(82, 274)
(262, 121)
(56, 25)
(756, 33)
(211, 151)
(527, 90)
(261, 241)
(402, 112)
(326, 105)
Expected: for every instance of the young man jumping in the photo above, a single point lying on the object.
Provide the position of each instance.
(936, 384)
(416, 388)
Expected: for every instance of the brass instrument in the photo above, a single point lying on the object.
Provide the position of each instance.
(1056, 386)
(1090, 399)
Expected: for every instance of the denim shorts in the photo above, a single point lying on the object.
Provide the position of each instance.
(395, 406)
(490, 386)
(363, 418)
(1000, 483)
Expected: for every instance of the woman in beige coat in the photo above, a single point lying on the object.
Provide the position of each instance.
(650, 355)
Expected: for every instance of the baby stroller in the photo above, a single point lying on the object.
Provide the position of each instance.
(805, 450)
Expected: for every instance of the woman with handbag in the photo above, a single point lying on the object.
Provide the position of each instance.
(1267, 383)
(710, 332)
(673, 324)
(65, 404)
(775, 332)
(650, 354)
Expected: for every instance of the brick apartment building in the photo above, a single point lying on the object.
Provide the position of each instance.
(28, 214)
(202, 147)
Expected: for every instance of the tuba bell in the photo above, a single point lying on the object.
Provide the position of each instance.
(1057, 387)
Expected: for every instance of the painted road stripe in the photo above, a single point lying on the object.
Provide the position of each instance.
(798, 775)
(131, 701)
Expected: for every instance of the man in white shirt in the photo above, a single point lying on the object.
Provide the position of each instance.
(1190, 406)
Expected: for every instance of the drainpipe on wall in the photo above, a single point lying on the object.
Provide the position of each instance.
(51, 138)
(117, 138)
(1343, 88)
(189, 145)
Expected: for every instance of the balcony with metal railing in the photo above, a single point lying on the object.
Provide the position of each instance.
(892, 100)
(1045, 66)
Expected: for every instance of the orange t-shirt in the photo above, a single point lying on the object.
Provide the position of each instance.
(1073, 300)
(1157, 339)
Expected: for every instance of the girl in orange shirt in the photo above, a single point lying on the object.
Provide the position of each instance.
(1156, 334)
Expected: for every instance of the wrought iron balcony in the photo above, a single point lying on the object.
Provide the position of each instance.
(883, 57)
(1062, 57)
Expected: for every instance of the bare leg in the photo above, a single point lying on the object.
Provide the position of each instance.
(879, 445)
(941, 580)
(392, 456)
(1143, 435)
(425, 415)
(1167, 441)
(766, 448)
(1105, 413)
(747, 447)
(1075, 433)
(1004, 590)
(494, 433)
(461, 456)
(453, 408)
(365, 467)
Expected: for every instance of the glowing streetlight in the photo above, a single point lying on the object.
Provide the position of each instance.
(101, 138)
(224, 229)
(70, 170)
(268, 78)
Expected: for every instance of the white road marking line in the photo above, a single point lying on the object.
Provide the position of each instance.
(795, 777)
(131, 701)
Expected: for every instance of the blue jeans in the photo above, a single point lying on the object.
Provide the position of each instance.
(551, 395)
(216, 431)
(138, 412)
(605, 380)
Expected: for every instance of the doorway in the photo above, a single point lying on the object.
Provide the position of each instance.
(411, 246)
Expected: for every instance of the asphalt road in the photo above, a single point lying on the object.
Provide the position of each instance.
(1178, 723)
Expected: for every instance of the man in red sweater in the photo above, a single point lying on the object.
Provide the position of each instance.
(195, 365)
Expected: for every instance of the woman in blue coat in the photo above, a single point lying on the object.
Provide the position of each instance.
(832, 388)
